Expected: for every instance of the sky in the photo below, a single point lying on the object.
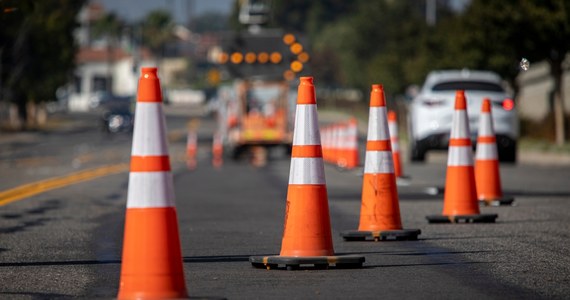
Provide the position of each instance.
(133, 10)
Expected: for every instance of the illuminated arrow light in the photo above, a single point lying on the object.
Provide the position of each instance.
(289, 75)
(303, 57)
(223, 58)
(296, 48)
(296, 66)
(250, 57)
(288, 39)
(275, 57)
(236, 58)
(263, 57)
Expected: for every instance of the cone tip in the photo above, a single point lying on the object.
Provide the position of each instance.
(148, 71)
(377, 87)
(307, 80)
(377, 95)
(391, 115)
(306, 92)
(460, 102)
(486, 106)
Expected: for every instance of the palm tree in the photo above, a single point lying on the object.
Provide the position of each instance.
(109, 26)
(157, 31)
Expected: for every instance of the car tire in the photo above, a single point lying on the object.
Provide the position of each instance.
(417, 152)
(508, 154)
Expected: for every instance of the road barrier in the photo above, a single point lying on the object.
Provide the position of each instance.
(487, 176)
(152, 261)
(460, 202)
(380, 210)
(307, 236)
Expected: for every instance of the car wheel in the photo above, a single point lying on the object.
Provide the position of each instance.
(417, 152)
(508, 154)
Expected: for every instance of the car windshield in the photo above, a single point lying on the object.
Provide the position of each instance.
(468, 86)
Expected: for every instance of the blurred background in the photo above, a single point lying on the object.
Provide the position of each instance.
(71, 57)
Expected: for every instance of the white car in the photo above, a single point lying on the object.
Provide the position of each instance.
(430, 112)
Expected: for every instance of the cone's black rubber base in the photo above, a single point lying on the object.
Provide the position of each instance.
(480, 218)
(381, 235)
(505, 201)
(307, 262)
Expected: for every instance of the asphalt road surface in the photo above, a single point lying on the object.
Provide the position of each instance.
(66, 242)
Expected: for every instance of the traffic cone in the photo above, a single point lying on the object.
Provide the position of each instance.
(191, 149)
(217, 150)
(325, 138)
(152, 261)
(395, 141)
(352, 159)
(337, 152)
(380, 210)
(487, 176)
(460, 197)
(307, 236)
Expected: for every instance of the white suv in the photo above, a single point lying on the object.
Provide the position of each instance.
(429, 118)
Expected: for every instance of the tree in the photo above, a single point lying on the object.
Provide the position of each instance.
(157, 31)
(38, 49)
(109, 26)
(497, 34)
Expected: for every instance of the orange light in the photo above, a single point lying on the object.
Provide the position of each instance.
(289, 75)
(263, 57)
(288, 39)
(303, 57)
(250, 57)
(275, 57)
(237, 58)
(508, 104)
(296, 66)
(296, 48)
(223, 58)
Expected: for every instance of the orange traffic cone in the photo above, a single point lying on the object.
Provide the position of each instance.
(352, 159)
(487, 176)
(395, 141)
(152, 259)
(460, 198)
(191, 149)
(217, 150)
(380, 210)
(307, 236)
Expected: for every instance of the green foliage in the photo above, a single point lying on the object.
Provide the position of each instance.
(109, 25)
(38, 48)
(157, 30)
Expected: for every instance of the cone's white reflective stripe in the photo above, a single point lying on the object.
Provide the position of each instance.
(306, 125)
(460, 125)
(307, 170)
(377, 124)
(486, 151)
(191, 139)
(395, 145)
(335, 138)
(352, 136)
(460, 156)
(486, 125)
(149, 137)
(150, 189)
(346, 140)
(378, 162)
(393, 129)
(352, 143)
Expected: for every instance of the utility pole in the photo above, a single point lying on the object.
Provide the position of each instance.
(431, 8)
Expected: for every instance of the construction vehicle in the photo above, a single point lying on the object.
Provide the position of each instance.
(256, 115)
